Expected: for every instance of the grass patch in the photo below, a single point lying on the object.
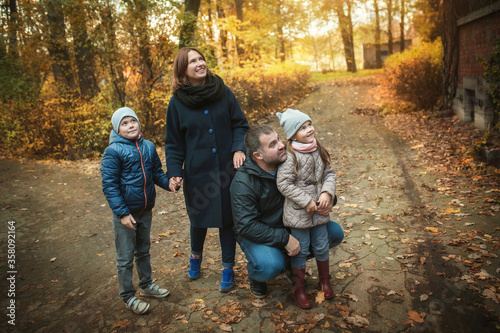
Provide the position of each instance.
(319, 76)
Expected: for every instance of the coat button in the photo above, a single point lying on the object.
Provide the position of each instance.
(214, 150)
(206, 112)
(210, 131)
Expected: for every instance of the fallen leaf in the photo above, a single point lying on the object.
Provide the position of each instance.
(259, 303)
(491, 294)
(121, 323)
(415, 316)
(432, 229)
(225, 328)
(358, 321)
(320, 297)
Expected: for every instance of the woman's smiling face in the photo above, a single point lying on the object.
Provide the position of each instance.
(196, 71)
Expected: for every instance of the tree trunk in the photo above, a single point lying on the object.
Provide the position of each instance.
(223, 33)
(12, 27)
(389, 27)
(238, 4)
(145, 86)
(83, 57)
(61, 62)
(402, 27)
(346, 32)
(190, 16)
(378, 48)
(332, 52)
(451, 10)
(113, 58)
(279, 29)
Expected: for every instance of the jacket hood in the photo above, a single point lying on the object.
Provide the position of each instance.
(114, 137)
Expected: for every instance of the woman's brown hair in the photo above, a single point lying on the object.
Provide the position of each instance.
(179, 78)
(323, 154)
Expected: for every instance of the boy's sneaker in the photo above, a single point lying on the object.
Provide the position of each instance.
(227, 281)
(194, 267)
(155, 291)
(137, 306)
(258, 289)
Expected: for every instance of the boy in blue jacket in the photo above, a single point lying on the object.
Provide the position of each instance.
(130, 169)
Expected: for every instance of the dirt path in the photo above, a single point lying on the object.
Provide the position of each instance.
(418, 256)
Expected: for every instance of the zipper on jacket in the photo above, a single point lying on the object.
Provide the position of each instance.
(144, 173)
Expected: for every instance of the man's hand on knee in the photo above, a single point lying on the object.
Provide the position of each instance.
(293, 246)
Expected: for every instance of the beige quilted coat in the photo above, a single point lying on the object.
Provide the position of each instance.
(313, 178)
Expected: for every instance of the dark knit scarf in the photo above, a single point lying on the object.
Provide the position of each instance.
(198, 96)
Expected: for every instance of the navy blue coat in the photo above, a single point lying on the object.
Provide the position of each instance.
(199, 147)
(129, 170)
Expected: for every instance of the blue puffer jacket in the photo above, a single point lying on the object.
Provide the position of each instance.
(129, 170)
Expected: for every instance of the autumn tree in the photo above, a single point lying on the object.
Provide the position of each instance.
(402, 10)
(343, 9)
(390, 44)
(189, 19)
(378, 55)
(84, 58)
(58, 46)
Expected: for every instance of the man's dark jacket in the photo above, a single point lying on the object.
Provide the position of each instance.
(257, 206)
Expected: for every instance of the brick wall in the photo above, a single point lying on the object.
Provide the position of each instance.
(476, 39)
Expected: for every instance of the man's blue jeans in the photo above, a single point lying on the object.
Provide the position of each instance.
(265, 263)
(130, 244)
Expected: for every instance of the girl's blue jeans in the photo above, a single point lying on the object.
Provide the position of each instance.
(265, 263)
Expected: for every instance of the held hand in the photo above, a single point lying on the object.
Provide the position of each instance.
(238, 159)
(293, 246)
(325, 211)
(323, 201)
(311, 207)
(128, 221)
(174, 184)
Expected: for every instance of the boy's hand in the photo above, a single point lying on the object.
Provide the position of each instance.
(324, 200)
(238, 159)
(311, 207)
(128, 221)
(174, 184)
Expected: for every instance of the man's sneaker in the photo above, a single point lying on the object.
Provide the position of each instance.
(137, 306)
(194, 267)
(155, 291)
(258, 289)
(227, 281)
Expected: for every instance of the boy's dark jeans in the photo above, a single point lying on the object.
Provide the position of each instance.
(130, 244)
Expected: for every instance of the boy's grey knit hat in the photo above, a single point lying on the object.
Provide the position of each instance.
(121, 113)
(291, 120)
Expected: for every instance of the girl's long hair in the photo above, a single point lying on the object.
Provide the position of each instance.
(323, 154)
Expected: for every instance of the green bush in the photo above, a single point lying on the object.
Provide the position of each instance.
(415, 76)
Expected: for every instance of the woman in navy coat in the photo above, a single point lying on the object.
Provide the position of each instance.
(203, 146)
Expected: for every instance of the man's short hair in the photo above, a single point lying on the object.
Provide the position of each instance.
(252, 138)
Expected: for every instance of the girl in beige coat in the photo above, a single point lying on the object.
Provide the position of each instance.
(308, 182)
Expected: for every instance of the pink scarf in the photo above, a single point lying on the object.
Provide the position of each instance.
(305, 147)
